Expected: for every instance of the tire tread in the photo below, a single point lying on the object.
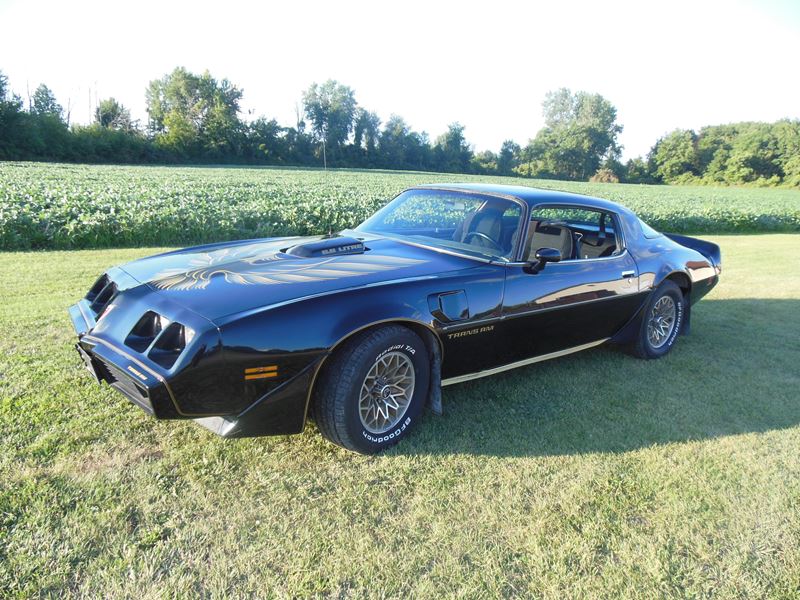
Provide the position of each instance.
(639, 347)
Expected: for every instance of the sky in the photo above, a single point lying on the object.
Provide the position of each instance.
(487, 65)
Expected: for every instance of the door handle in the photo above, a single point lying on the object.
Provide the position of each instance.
(627, 274)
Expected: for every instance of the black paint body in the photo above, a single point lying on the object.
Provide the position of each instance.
(260, 317)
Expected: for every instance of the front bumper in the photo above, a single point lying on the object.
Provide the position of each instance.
(133, 380)
(280, 411)
(136, 381)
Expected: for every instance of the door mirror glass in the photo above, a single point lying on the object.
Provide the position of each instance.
(546, 255)
(543, 256)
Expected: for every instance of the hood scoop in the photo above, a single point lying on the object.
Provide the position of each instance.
(334, 246)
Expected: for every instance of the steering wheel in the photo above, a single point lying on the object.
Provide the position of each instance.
(482, 236)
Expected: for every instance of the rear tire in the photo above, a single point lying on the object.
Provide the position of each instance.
(373, 389)
(661, 323)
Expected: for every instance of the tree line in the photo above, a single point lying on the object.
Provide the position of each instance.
(195, 118)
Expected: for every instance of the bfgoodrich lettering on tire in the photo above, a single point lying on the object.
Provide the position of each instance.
(372, 390)
(661, 322)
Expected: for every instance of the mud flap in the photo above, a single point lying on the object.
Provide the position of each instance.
(686, 329)
(434, 402)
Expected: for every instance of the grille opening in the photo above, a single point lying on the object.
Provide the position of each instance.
(169, 344)
(101, 282)
(104, 297)
(124, 383)
(145, 331)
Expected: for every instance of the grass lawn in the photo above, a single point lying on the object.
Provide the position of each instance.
(592, 475)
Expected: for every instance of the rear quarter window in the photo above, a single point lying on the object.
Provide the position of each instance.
(648, 231)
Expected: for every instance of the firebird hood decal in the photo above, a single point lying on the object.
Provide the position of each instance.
(253, 265)
(218, 280)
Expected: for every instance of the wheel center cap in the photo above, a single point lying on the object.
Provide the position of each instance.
(385, 392)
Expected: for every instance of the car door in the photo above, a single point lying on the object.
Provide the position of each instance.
(570, 304)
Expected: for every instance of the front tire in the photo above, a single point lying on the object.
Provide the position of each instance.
(661, 323)
(373, 389)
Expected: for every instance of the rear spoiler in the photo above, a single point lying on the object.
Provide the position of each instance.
(708, 249)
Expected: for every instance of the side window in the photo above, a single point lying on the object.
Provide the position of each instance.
(578, 233)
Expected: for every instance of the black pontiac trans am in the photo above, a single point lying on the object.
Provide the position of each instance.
(359, 331)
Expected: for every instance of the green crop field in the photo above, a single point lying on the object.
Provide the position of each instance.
(596, 475)
(79, 206)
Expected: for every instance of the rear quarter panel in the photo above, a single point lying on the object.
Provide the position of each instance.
(662, 257)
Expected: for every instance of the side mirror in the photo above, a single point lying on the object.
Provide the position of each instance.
(543, 256)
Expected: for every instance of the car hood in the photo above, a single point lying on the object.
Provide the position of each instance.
(222, 279)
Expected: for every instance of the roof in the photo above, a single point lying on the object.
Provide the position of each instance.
(531, 195)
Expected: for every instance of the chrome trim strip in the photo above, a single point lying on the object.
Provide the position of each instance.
(523, 239)
(572, 261)
(521, 363)
(458, 190)
(618, 229)
(585, 260)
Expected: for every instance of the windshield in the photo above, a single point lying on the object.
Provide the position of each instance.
(475, 224)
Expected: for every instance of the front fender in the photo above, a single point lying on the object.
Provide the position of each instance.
(293, 341)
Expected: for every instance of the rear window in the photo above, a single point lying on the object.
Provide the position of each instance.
(648, 231)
